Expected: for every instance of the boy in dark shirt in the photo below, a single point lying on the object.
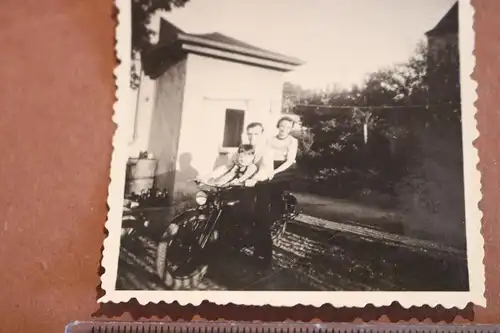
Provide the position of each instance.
(243, 168)
(240, 171)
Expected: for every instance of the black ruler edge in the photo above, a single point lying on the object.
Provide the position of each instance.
(270, 327)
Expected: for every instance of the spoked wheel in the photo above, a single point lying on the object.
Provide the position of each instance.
(278, 225)
(287, 211)
(278, 229)
(180, 260)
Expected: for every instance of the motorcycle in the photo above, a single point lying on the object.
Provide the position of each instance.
(199, 234)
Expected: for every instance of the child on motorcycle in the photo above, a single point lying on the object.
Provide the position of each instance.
(236, 174)
(243, 168)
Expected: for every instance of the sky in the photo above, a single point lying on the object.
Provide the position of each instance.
(340, 41)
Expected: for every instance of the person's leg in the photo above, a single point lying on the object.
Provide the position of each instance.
(244, 197)
(263, 242)
(278, 186)
(246, 202)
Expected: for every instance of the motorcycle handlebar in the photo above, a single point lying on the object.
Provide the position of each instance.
(225, 186)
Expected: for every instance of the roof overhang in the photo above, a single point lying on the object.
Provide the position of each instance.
(211, 47)
(161, 56)
(237, 57)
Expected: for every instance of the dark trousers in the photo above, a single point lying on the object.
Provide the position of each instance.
(280, 183)
(262, 218)
(246, 206)
(268, 206)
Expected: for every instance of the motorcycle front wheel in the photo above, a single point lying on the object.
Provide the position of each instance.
(180, 261)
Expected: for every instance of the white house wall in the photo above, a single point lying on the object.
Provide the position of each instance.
(144, 105)
(165, 123)
(144, 100)
(214, 85)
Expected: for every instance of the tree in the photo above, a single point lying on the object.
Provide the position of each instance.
(334, 153)
(142, 10)
(402, 84)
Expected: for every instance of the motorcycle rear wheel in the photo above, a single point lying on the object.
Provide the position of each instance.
(188, 277)
(282, 216)
(278, 229)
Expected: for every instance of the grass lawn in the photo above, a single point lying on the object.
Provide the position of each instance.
(346, 211)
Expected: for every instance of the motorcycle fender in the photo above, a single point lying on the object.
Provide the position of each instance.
(172, 227)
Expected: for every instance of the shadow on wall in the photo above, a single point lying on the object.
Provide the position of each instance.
(222, 159)
(186, 171)
(179, 182)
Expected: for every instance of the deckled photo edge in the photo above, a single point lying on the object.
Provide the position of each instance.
(118, 158)
(473, 195)
(472, 175)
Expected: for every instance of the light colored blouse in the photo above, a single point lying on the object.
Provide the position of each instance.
(283, 149)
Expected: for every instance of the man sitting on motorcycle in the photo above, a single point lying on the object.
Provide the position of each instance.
(255, 198)
(276, 160)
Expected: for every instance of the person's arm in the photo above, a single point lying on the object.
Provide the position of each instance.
(226, 177)
(265, 171)
(290, 157)
(218, 172)
(249, 172)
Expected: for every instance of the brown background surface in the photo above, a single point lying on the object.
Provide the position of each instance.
(56, 97)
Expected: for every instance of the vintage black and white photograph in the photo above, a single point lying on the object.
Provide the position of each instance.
(322, 147)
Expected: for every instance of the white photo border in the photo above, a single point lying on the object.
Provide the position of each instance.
(472, 180)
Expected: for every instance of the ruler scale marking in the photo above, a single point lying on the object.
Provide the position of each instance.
(232, 327)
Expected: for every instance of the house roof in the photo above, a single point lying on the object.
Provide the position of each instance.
(174, 43)
(448, 24)
(217, 39)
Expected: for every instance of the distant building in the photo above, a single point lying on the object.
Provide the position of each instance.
(196, 97)
(440, 212)
(443, 65)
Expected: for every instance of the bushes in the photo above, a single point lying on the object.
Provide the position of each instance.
(411, 162)
(337, 161)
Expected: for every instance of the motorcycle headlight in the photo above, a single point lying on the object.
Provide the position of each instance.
(201, 198)
(172, 229)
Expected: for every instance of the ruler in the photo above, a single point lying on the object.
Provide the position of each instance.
(278, 327)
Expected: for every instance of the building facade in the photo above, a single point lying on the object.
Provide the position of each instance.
(197, 94)
(441, 209)
(443, 60)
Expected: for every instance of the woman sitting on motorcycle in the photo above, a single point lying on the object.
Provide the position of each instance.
(284, 148)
